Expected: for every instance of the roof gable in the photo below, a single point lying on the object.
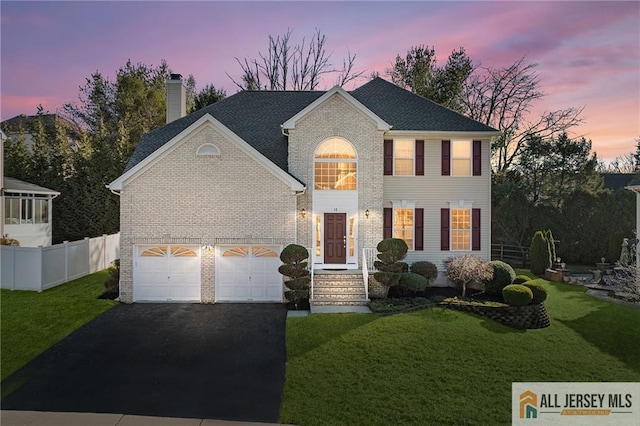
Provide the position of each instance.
(291, 123)
(167, 147)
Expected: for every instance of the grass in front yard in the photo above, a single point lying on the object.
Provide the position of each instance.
(439, 366)
(32, 322)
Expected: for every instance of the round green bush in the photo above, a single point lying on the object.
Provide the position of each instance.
(392, 250)
(538, 289)
(426, 269)
(517, 295)
(294, 253)
(413, 282)
(519, 279)
(503, 275)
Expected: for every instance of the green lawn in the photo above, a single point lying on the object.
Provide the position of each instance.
(32, 322)
(439, 366)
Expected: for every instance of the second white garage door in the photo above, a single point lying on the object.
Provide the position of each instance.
(248, 273)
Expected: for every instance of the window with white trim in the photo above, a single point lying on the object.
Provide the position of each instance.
(335, 166)
(403, 225)
(461, 158)
(460, 229)
(21, 209)
(403, 157)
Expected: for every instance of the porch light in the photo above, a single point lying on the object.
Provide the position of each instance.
(303, 213)
(207, 248)
(366, 213)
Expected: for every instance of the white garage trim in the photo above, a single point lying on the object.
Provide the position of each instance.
(167, 272)
(248, 273)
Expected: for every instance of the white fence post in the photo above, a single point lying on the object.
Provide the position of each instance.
(66, 261)
(41, 274)
(15, 254)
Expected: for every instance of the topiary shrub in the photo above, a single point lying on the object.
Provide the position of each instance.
(426, 269)
(517, 295)
(551, 243)
(519, 279)
(467, 269)
(539, 253)
(294, 266)
(413, 282)
(390, 268)
(538, 290)
(503, 275)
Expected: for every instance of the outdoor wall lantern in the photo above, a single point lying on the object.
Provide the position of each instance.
(366, 213)
(207, 248)
(303, 213)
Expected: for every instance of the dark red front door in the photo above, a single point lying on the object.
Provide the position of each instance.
(335, 238)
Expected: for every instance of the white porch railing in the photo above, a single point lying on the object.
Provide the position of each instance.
(310, 268)
(368, 258)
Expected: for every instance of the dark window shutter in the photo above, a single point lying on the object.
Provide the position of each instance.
(419, 158)
(477, 158)
(444, 229)
(388, 157)
(475, 229)
(418, 225)
(388, 222)
(446, 158)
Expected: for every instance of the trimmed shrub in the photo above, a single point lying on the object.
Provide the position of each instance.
(112, 283)
(519, 279)
(295, 267)
(539, 253)
(390, 253)
(538, 290)
(503, 275)
(294, 253)
(412, 281)
(426, 269)
(517, 295)
(552, 247)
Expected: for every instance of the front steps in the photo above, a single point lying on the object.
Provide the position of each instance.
(338, 291)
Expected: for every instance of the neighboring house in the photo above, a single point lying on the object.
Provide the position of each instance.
(27, 212)
(20, 127)
(617, 181)
(209, 200)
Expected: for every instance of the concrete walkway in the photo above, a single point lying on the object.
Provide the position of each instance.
(45, 418)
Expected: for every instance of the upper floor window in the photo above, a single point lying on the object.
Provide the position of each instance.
(335, 165)
(25, 209)
(461, 158)
(403, 157)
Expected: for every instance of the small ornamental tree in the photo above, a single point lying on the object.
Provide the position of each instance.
(467, 269)
(294, 266)
(390, 268)
(551, 243)
(539, 253)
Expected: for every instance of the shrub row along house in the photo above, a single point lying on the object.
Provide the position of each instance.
(209, 200)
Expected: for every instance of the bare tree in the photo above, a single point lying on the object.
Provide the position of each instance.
(502, 98)
(288, 67)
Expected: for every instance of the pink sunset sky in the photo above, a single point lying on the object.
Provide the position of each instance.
(588, 52)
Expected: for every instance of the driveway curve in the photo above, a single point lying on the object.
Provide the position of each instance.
(222, 361)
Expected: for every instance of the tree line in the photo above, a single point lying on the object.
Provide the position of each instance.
(541, 177)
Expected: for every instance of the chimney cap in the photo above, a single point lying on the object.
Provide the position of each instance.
(176, 76)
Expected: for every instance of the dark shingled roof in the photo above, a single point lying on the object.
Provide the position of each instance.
(256, 116)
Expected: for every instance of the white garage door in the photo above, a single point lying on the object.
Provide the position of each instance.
(166, 272)
(246, 273)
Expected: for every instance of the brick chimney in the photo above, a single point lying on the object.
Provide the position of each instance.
(176, 98)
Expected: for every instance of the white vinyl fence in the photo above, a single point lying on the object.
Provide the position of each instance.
(40, 268)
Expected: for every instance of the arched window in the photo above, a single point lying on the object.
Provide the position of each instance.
(335, 165)
(208, 149)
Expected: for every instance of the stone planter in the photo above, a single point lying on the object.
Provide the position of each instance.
(522, 317)
(377, 290)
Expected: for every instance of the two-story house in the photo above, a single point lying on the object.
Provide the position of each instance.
(209, 200)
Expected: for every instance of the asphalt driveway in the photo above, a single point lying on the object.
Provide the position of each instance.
(222, 361)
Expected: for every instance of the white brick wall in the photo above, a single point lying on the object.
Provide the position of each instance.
(203, 199)
(337, 117)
